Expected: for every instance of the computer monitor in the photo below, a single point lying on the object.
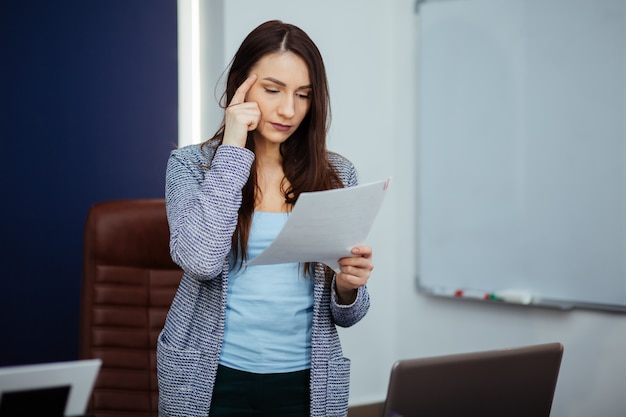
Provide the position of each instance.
(60, 388)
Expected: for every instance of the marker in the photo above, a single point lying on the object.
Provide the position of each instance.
(514, 296)
(460, 293)
(474, 294)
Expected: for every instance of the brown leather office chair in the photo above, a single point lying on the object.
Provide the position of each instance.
(129, 281)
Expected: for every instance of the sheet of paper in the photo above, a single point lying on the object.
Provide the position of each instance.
(325, 225)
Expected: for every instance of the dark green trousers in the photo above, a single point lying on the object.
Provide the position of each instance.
(240, 393)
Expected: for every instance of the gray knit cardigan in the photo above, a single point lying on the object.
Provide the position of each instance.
(202, 206)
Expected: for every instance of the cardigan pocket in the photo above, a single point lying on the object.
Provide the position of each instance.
(177, 379)
(338, 388)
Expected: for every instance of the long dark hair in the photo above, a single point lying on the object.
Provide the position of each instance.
(304, 154)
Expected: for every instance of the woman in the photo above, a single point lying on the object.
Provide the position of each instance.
(258, 340)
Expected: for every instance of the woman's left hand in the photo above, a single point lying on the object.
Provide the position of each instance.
(354, 272)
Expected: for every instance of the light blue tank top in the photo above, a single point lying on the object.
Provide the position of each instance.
(269, 309)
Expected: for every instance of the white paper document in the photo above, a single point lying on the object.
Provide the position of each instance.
(325, 225)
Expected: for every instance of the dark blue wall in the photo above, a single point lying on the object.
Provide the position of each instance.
(88, 112)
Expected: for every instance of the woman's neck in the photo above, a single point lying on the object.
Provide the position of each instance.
(271, 181)
(267, 153)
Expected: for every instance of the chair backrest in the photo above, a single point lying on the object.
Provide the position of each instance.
(129, 281)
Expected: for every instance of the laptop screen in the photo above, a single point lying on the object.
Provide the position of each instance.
(60, 384)
(509, 382)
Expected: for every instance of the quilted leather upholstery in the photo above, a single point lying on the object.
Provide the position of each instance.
(129, 281)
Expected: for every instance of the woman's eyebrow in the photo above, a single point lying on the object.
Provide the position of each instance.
(275, 81)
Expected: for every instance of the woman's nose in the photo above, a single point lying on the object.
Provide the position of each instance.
(287, 107)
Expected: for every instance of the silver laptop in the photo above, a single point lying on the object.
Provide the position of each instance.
(516, 382)
(50, 389)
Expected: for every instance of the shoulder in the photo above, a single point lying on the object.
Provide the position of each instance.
(344, 168)
(200, 154)
(191, 158)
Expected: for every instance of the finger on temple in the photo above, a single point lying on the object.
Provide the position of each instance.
(240, 95)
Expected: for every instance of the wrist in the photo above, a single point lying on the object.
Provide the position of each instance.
(346, 296)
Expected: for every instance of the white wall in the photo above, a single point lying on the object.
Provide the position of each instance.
(371, 53)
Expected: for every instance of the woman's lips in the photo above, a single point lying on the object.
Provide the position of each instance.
(282, 128)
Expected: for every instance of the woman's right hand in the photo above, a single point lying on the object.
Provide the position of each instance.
(241, 116)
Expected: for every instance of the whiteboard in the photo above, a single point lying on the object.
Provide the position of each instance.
(522, 155)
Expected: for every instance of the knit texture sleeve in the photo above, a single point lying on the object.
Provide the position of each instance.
(350, 314)
(346, 315)
(203, 196)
